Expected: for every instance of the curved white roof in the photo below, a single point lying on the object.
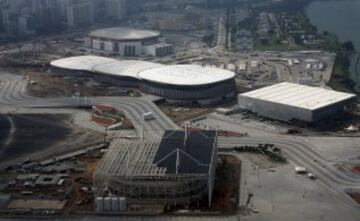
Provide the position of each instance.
(128, 68)
(124, 33)
(187, 75)
(81, 63)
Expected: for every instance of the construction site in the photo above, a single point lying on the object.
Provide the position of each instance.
(202, 131)
(177, 170)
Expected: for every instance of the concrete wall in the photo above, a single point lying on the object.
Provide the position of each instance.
(287, 113)
(96, 44)
(274, 110)
(157, 50)
(136, 44)
(203, 95)
(194, 93)
(109, 46)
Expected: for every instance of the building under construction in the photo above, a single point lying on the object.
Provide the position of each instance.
(177, 169)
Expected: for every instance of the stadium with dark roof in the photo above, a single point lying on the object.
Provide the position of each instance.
(177, 169)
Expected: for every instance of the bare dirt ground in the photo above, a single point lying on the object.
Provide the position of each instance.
(44, 85)
(262, 161)
(81, 201)
(355, 196)
(58, 133)
(180, 114)
(227, 185)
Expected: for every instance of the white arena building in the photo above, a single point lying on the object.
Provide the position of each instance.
(295, 102)
(128, 42)
(186, 84)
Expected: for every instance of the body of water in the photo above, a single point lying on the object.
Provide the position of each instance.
(340, 17)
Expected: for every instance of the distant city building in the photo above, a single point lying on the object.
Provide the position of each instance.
(26, 17)
(216, 3)
(80, 12)
(115, 9)
(24, 25)
(9, 23)
(128, 42)
(244, 40)
(30, 17)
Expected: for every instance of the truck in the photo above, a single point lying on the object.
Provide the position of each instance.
(148, 116)
(300, 170)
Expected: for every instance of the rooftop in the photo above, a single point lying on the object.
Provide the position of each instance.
(297, 95)
(144, 158)
(193, 151)
(188, 75)
(128, 68)
(81, 63)
(124, 33)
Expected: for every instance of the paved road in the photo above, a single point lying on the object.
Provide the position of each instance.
(13, 96)
(304, 154)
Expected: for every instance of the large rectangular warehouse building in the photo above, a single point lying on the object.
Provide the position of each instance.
(295, 102)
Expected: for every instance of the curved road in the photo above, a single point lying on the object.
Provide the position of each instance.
(304, 154)
(13, 96)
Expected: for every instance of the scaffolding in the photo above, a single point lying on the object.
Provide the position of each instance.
(132, 169)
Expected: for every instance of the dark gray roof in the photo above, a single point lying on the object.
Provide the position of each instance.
(193, 154)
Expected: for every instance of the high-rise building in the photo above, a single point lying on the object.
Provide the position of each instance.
(9, 25)
(61, 6)
(26, 25)
(80, 12)
(115, 9)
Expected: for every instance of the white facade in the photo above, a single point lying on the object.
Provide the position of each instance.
(108, 46)
(128, 42)
(161, 49)
(289, 101)
(131, 49)
(96, 44)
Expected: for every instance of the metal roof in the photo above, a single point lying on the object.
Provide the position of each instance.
(124, 33)
(186, 152)
(297, 95)
(129, 68)
(81, 63)
(181, 75)
(188, 75)
(155, 158)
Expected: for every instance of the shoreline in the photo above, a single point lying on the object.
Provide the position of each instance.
(341, 78)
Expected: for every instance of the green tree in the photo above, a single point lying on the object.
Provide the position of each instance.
(348, 46)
